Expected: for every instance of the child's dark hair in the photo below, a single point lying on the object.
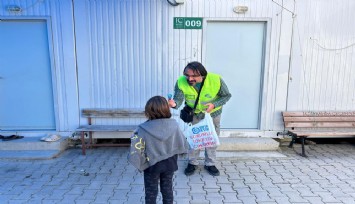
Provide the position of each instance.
(157, 107)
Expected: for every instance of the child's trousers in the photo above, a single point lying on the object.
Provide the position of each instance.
(151, 182)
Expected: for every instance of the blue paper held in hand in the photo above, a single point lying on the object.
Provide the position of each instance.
(202, 134)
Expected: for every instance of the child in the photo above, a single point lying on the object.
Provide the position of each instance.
(155, 146)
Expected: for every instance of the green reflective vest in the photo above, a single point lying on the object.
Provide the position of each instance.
(208, 93)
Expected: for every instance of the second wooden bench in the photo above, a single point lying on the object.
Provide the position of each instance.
(318, 124)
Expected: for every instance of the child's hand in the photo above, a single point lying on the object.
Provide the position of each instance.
(171, 103)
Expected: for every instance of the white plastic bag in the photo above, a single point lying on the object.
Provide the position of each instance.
(202, 134)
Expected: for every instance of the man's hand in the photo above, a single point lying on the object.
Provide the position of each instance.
(210, 107)
(172, 103)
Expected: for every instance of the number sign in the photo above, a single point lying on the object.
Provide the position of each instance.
(187, 23)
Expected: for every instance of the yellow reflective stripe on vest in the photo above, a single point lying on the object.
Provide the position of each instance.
(208, 93)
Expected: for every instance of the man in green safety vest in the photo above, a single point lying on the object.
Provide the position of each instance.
(213, 96)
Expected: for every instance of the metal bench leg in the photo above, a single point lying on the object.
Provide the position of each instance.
(293, 140)
(90, 138)
(303, 151)
(83, 142)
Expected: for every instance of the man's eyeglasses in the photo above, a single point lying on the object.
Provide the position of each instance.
(191, 76)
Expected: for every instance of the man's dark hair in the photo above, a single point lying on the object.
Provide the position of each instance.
(157, 107)
(196, 67)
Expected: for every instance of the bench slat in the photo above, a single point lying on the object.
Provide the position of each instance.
(312, 119)
(107, 128)
(320, 124)
(113, 113)
(320, 113)
(325, 134)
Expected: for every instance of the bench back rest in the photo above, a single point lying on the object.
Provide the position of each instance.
(113, 116)
(296, 120)
(113, 113)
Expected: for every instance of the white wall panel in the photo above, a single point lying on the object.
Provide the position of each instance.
(322, 72)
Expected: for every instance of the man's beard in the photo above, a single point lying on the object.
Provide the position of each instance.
(192, 82)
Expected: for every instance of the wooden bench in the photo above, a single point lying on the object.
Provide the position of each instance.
(318, 124)
(92, 114)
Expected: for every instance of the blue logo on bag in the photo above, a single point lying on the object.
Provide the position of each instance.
(202, 128)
